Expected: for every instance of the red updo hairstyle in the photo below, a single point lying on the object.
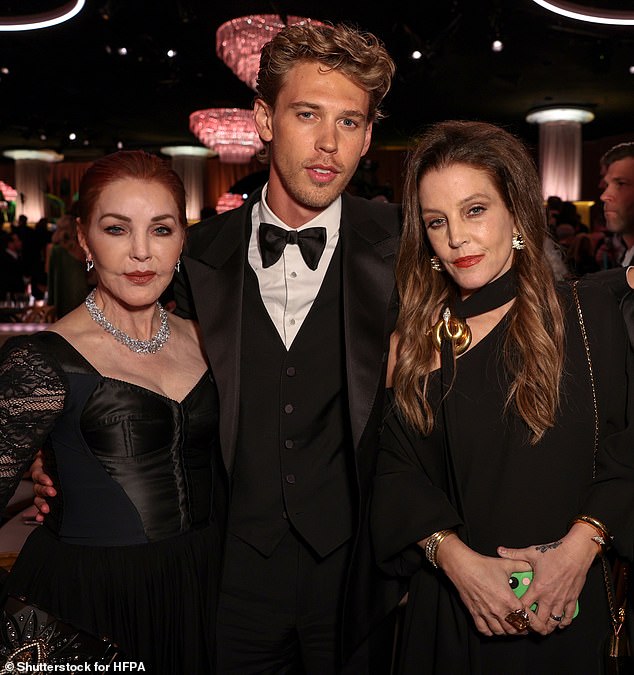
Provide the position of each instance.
(135, 164)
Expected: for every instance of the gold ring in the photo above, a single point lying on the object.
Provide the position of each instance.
(519, 619)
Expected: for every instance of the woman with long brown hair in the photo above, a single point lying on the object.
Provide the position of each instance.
(504, 457)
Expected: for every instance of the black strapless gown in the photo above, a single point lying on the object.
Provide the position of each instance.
(131, 549)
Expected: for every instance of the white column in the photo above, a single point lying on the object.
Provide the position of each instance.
(189, 162)
(560, 150)
(31, 175)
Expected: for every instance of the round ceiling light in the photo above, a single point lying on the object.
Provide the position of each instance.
(575, 10)
(559, 114)
(37, 155)
(51, 17)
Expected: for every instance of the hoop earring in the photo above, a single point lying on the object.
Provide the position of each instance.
(518, 241)
(89, 264)
(436, 265)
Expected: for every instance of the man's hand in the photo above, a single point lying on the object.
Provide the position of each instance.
(42, 487)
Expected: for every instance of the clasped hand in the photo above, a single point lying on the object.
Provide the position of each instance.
(559, 572)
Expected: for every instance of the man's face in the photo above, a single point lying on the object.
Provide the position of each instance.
(618, 196)
(318, 131)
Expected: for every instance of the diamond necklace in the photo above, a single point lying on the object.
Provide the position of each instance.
(150, 346)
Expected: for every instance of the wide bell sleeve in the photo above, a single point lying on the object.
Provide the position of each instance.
(32, 395)
(610, 496)
(408, 503)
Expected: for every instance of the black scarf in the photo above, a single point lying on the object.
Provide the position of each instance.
(485, 299)
(493, 295)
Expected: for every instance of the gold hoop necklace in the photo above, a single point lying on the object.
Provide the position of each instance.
(451, 328)
(456, 330)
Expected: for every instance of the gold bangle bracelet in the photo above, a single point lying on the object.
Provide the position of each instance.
(602, 538)
(433, 542)
(597, 524)
(599, 532)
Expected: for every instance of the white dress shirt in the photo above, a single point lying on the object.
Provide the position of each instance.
(627, 258)
(289, 288)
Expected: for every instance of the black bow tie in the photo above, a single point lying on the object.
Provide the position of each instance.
(273, 240)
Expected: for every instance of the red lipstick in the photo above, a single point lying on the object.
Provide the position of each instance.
(140, 278)
(467, 261)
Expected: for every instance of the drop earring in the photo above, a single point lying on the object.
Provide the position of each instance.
(89, 264)
(177, 267)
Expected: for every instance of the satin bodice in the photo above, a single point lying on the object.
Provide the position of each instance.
(130, 465)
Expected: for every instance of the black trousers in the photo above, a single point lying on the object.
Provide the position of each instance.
(280, 615)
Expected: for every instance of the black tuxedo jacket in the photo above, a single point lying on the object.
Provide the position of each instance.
(615, 279)
(211, 291)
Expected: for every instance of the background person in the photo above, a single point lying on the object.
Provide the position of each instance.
(507, 457)
(66, 272)
(618, 195)
(12, 271)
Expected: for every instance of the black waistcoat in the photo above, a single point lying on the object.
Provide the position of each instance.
(294, 444)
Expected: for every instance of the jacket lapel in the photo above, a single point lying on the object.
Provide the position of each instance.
(216, 277)
(368, 250)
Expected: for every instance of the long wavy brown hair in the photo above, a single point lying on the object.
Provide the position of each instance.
(534, 342)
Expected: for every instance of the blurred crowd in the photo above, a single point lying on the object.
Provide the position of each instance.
(44, 264)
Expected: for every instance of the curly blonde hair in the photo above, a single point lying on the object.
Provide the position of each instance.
(534, 343)
(358, 55)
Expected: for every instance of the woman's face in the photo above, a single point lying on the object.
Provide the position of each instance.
(135, 239)
(468, 224)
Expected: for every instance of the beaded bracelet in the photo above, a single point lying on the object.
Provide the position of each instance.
(431, 547)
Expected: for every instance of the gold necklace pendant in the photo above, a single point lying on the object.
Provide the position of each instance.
(451, 328)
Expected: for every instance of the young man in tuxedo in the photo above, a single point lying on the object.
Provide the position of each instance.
(295, 297)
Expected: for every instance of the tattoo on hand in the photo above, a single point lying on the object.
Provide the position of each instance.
(542, 548)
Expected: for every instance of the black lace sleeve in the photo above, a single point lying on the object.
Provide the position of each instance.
(32, 394)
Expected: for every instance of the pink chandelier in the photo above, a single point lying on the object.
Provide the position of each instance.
(228, 131)
(10, 194)
(229, 201)
(239, 41)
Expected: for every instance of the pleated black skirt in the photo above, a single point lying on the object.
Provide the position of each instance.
(157, 601)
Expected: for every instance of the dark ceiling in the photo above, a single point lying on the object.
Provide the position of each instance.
(71, 78)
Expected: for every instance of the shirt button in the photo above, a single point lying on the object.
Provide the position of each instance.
(293, 275)
(292, 322)
(289, 444)
(290, 479)
(290, 371)
(284, 515)
(288, 408)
